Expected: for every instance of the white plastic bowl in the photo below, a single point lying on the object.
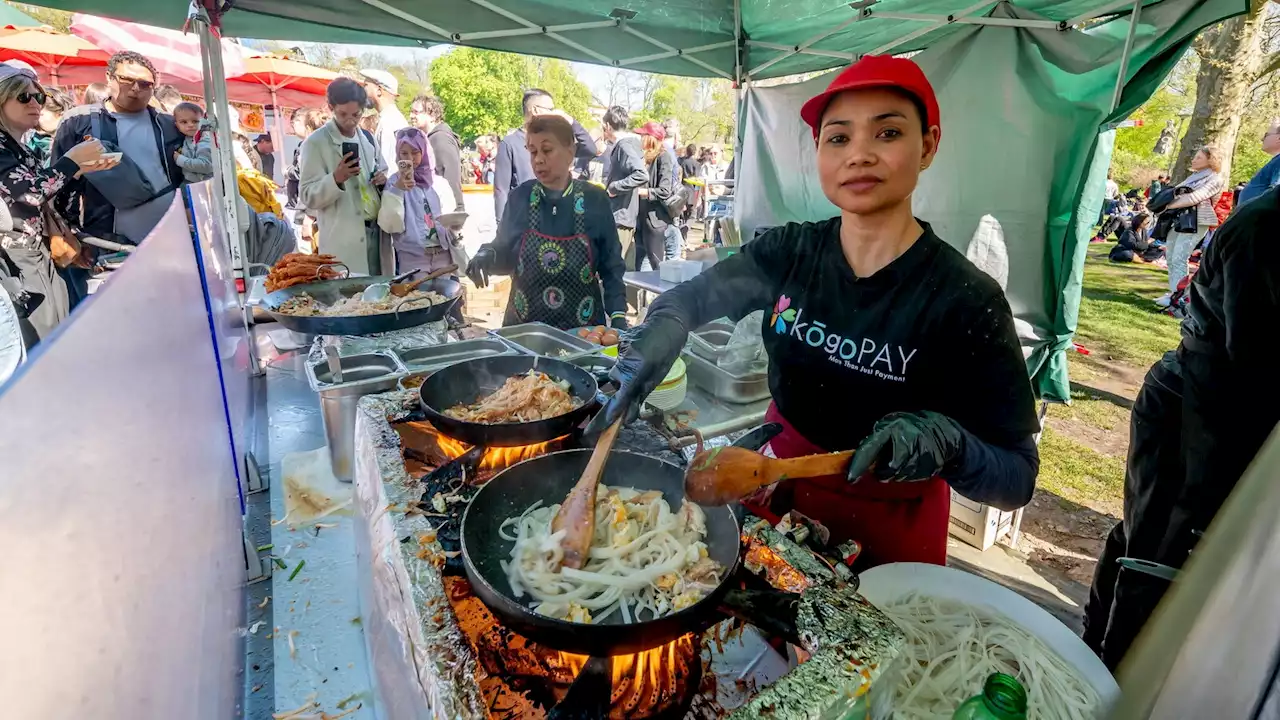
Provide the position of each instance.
(887, 583)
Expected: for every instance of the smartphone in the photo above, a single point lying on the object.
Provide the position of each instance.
(352, 149)
(406, 167)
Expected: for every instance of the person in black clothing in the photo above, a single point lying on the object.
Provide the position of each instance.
(267, 153)
(557, 240)
(1133, 240)
(691, 169)
(1201, 416)
(511, 164)
(880, 336)
(653, 217)
(427, 114)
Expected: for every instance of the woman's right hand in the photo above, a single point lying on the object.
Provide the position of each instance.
(87, 154)
(406, 182)
(641, 367)
(481, 265)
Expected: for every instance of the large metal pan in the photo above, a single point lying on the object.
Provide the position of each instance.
(331, 291)
(469, 380)
(549, 478)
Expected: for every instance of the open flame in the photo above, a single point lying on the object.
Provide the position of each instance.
(495, 458)
(647, 682)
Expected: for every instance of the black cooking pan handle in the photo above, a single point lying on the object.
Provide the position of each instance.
(758, 438)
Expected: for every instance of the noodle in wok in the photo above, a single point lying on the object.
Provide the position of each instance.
(522, 398)
(646, 561)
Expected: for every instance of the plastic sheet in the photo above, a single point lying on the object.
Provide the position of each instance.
(744, 353)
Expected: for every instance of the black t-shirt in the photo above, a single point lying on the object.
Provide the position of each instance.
(929, 331)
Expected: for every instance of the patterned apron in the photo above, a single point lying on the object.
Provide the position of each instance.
(556, 280)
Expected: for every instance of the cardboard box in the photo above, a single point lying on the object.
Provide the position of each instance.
(976, 524)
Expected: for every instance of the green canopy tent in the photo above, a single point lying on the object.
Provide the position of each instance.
(1030, 91)
(10, 15)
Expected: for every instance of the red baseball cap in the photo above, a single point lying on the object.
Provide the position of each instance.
(873, 71)
(654, 129)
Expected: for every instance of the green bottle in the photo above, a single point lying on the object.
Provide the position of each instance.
(1002, 698)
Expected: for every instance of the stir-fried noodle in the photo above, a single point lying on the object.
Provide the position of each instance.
(646, 561)
(522, 398)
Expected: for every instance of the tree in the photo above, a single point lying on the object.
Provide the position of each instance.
(59, 20)
(481, 89)
(1231, 59)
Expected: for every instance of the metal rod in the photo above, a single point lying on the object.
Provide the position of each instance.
(810, 42)
(626, 27)
(714, 430)
(517, 32)
(671, 53)
(1107, 9)
(929, 28)
(409, 18)
(1002, 22)
(1124, 54)
(806, 51)
(737, 47)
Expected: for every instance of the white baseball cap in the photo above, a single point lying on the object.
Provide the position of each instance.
(383, 78)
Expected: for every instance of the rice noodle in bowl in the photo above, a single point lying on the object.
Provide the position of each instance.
(306, 306)
(645, 561)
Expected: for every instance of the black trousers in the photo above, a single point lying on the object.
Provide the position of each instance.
(1121, 600)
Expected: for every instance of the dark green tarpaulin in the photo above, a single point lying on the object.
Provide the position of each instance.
(706, 32)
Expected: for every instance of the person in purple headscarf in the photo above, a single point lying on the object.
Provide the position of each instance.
(410, 207)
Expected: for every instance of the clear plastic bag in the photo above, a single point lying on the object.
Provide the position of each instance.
(744, 354)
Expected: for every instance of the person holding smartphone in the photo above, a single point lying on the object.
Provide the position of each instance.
(340, 180)
(415, 197)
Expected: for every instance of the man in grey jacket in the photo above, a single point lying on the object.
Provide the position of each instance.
(627, 173)
(512, 167)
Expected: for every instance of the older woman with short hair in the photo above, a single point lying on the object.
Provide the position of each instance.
(557, 240)
(1200, 190)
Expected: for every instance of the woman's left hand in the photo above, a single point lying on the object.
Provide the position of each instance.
(643, 192)
(405, 182)
(907, 447)
(380, 178)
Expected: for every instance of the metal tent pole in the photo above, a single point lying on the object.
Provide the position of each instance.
(1124, 55)
(225, 189)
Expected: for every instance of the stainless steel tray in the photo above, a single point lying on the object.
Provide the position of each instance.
(434, 357)
(710, 340)
(357, 370)
(542, 339)
(740, 389)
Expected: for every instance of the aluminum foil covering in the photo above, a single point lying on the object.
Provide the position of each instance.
(422, 664)
(434, 333)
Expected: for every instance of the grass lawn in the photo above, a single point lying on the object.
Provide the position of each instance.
(1078, 474)
(1092, 410)
(1118, 321)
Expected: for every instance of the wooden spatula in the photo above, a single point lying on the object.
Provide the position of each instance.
(402, 289)
(727, 474)
(577, 514)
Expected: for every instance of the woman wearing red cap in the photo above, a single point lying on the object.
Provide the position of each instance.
(651, 225)
(881, 337)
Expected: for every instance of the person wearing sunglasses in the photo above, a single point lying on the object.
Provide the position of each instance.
(27, 185)
(125, 204)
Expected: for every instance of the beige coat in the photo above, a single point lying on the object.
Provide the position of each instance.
(338, 211)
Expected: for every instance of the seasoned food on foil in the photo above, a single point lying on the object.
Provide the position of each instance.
(306, 306)
(299, 268)
(522, 398)
(646, 561)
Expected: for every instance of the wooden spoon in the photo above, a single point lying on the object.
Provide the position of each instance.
(577, 514)
(402, 289)
(727, 474)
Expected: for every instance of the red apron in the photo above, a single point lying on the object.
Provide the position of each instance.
(894, 522)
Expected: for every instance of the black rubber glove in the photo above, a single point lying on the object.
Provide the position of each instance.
(642, 364)
(481, 265)
(618, 322)
(908, 446)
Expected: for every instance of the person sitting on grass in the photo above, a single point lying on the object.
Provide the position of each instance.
(1134, 239)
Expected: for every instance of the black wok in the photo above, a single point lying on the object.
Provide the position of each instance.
(549, 478)
(469, 380)
(331, 291)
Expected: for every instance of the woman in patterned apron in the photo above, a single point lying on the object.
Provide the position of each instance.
(557, 241)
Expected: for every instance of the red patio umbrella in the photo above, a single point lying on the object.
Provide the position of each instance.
(175, 54)
(49, 52)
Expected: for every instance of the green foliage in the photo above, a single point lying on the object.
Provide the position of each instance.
(59, 20)
(481, 89)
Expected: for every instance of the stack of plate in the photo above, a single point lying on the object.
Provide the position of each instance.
(670, 393)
